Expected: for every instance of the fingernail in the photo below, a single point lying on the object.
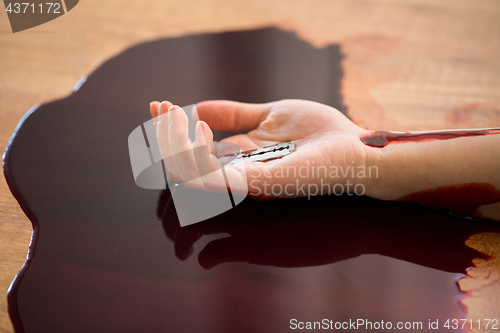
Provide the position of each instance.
(169, 113)
(206, 131)
(198, 133)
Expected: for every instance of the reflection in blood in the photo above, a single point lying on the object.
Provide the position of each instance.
(461, 198)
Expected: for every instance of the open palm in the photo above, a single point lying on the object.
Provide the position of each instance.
(328, 150)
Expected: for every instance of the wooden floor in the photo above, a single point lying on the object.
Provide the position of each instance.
(409, 65)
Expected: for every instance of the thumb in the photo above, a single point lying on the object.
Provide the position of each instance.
(232, 116)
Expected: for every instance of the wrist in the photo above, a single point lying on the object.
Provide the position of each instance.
(373, 163)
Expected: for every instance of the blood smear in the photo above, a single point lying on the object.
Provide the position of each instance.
(381, 139)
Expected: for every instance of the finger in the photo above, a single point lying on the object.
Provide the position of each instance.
(232, 116)
(162, 129)
(181, 148)
(202, 151)
(153, 108)
(211, 158)
(211, 171)
(279, 178)
(207, 132)
(209, 166)
(236, 180)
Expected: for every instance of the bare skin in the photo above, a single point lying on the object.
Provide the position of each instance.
(328, 141)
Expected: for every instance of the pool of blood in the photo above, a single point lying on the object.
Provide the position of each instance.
(108, 256)
(381, 139)
(461, 198)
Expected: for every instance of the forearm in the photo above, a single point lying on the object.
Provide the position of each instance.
(460, 174)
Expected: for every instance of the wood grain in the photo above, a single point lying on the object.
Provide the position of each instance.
(409, 65)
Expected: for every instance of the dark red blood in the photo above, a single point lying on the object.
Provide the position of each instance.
(381, 139)
(461, 198)
(108, 256)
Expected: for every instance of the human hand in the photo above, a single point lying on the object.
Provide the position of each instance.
(327, 158)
